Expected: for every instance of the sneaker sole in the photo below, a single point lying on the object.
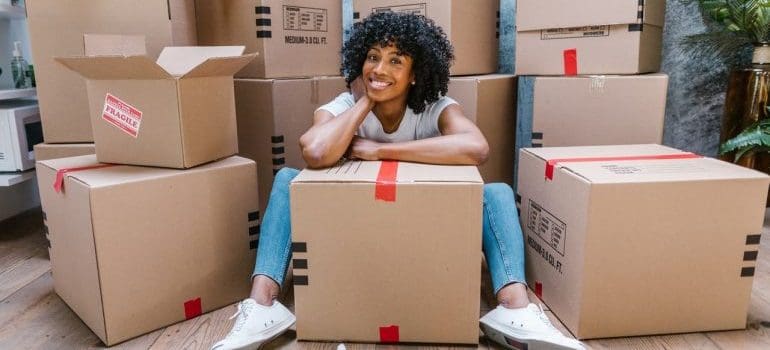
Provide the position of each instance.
(519, 343)
(277, 332)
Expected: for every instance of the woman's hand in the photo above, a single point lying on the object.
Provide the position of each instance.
(358, 88)
(364, 149)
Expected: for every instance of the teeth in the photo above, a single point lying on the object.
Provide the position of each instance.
(379, 84)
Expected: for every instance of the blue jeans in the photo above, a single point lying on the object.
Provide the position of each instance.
(502, 240)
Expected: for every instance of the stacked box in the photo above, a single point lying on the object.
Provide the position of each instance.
(46, 151)
(640, 239)
(57, 28)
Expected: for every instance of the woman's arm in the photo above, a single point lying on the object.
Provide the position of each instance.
(329, 137)
(461, 143)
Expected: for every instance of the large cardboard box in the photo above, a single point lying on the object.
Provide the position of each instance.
(590, 110)
(56, 28)
(272, 115)
(177, 113)
(555, 37)
(387, 252)
(134, 249)
(471, 26)
(640, 239)
(488, 101)
(45, 151)
(294, 38)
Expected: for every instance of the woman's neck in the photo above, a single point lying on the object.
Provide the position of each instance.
(390, 113)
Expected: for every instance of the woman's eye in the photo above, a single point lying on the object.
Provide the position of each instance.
(372, 58)
(395, 61)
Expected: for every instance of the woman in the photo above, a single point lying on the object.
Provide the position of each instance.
(397, 67)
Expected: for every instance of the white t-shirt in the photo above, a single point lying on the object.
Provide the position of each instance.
(412, 127)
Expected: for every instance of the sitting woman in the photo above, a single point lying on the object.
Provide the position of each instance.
(397, 67)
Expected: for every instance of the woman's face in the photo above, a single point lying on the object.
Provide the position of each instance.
(387, 74)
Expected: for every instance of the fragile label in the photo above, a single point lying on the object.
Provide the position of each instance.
(414, 9)
(305, 19)
(575, 32)
(547, 226)
(122, 115)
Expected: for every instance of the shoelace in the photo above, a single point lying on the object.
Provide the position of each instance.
(543, 317)
(240, 320)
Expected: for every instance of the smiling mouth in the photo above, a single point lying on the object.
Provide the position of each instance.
(378, 85)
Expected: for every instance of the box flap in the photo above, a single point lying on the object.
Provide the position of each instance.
(546, 14)
(368, 171)
(219, 66)
(114, 67)
(114, 45)
(119, 174)
(637, 163)
(178, 60)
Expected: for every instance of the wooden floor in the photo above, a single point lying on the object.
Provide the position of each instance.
(32, 316)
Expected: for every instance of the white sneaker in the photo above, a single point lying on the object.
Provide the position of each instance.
(526, 328)
(256, 324)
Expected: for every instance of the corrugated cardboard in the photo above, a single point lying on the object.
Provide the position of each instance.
(488, 101)
(609, 36)
(590, 110)
(635, 247)
(57, 27)
(272, 115)
(471, 26)
(412, 263)
(130, 246)
(45, 151)
(185, 101)
(294, 38)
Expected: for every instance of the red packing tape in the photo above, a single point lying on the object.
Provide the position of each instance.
(58, 184)
(385, 188)
(389, 334)
(551, 164)
(192, 308)
(570, 62)
(539, 290)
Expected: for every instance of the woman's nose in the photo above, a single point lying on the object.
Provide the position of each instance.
(379, 67)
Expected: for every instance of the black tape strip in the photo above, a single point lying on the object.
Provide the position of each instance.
(300, 280)
(254, 216)
(275, 171)
(747, 272)
(640, 14)
(299, 247)
(537, 145)
(264, 34)
(45, 229)
(356, 15)
(750, 256)
(497, 35)
(254, 230)
(44, 216)
(517, 197)
(278, 150)
(497, 14)
(497, 25)
(262, 10)
(263, 22)
(635, 27)
(753, 239)
(537, 135)
(253, 244)
(279, 161)
(300, 263)
(276, 139)
(641, 2)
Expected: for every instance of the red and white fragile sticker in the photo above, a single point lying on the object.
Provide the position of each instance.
(122, 115)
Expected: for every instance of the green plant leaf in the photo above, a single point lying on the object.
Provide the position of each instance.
(754, 138)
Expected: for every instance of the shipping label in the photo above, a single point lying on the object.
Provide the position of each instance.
(415, 9)
(654, 168)
(122, 115)
(575, 32)
(305, 19)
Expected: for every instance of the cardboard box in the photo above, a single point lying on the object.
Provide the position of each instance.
(272, 115)
(177, 113)
(555, 37)
(627, 247)
(134, 249)
(45, 151)
(387, 252)
(588, 111)
(294, 38)
(471, 26)
(488, 101)
(56, 28)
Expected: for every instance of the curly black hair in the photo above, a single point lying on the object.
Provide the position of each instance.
(415, 36)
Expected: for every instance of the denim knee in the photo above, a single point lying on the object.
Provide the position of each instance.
(499, 192)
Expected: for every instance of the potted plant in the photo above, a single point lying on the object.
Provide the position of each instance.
(741, 29)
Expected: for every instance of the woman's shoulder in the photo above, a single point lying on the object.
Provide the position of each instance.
(438, 106)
